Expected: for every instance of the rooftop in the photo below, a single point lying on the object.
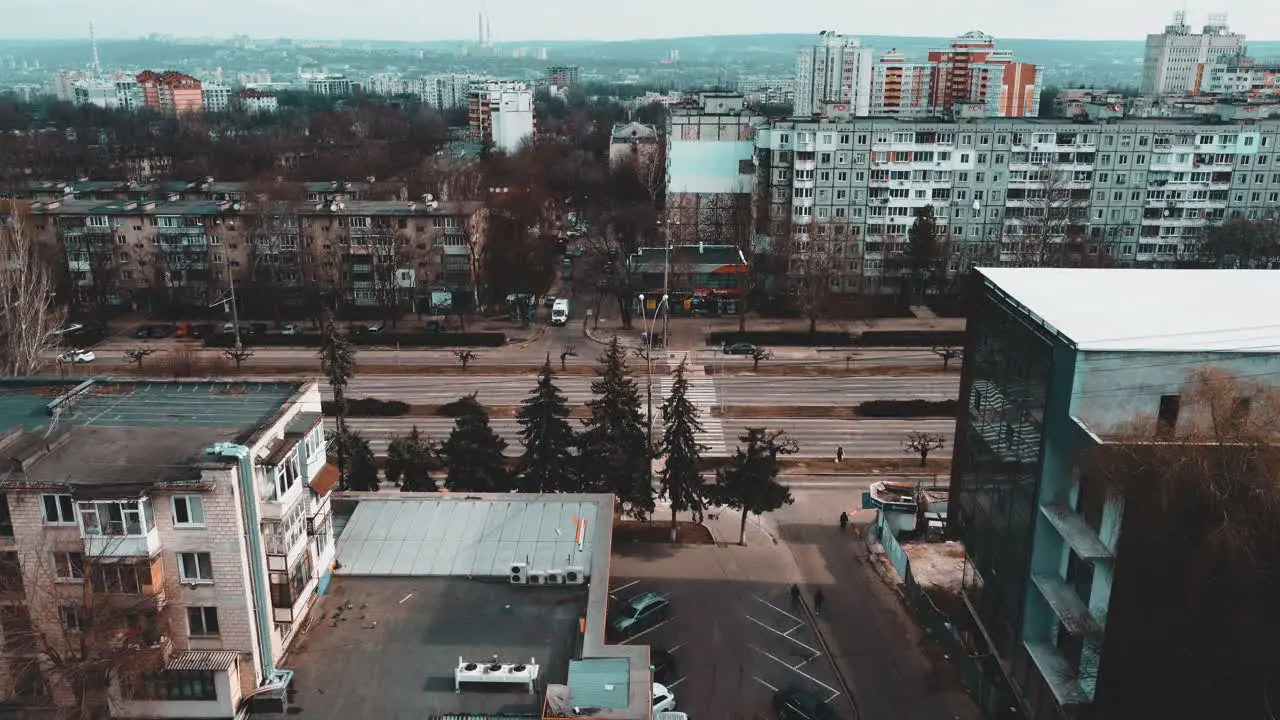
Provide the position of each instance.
(704, 258)
(216, 207)
(1150, 310)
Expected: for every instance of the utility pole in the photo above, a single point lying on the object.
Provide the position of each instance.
(231, 298)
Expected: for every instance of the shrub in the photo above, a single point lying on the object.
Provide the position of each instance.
(781, 338)
(908, 408)
(911, 338)
(368, 407)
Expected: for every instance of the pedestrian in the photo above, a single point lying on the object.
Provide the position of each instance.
(817, 602)
(839, 453)
(844, 521)
(795, 596)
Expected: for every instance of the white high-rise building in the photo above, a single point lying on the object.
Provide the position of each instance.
(217, 97)
(1173, 58)
(836, 71)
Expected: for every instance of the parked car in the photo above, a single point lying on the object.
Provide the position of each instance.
(257, 328)
(801, 705)
(77, 357)
(432, 326)
(638, 613)
(663, 699)
(68, 329)
(291, 329)
(162, 331)
(182, 330)
(145, 331)
(228, 328)
(739, 349)
(374, 328)
(663, 665)
(576, 251)
(549, 301)
(201, 331)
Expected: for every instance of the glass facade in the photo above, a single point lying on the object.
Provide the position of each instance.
(999, 461)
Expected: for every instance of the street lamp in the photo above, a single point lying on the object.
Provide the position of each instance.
(648, 322)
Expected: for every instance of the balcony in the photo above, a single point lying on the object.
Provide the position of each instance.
(1067, 605)
(123, 545)
(1078, 534)
(1058, 674)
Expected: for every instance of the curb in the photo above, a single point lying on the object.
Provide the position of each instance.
(826, 649)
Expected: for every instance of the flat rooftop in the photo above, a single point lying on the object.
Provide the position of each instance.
(1150, 310)
(393, 652)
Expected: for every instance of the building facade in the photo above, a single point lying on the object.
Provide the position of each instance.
(711, 175)
(1130, 193)
(171, 92)
(501, 113)
(256, 102)
(1238, 75)
(637, 144)
(764, 89)
(563, 76)
(1048, 378)
(1172, 62)
(296, 258)
(900, 88)
(973, 72)
(216, 96)
(836, 71)
(445, 91)
(184, 562)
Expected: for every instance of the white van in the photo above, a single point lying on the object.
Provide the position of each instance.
(560, 312)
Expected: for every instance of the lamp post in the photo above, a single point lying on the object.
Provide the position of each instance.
(648, 323)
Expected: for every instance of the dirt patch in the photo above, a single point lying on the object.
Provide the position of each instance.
(937, 566)
(853, 466)
(687, 533)
(784, 411)
(854, 370)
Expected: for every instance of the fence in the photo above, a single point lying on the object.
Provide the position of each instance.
(991, 693)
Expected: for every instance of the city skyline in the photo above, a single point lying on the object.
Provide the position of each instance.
(514, 22)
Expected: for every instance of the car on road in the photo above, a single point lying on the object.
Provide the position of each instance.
(368, 328)
(182, 330)
(77, 357)
(291, 329)
(549, 301)
(257, 328)
(162, 331)
(638, 613)
(201, 331)
(663, 699)
(560, 311)
(145, 331)
(576, 251)
(801, 705)
(663, 665)
(68, 329)
(739, 349)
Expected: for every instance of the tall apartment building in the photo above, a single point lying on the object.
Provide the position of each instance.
(140, 253)
(501, 113)
(900, 88)
(1173, 58)
(711, 174)
(1058, 364)
(445, 91)
(563, 76)
(836, 71)
(217, 97)
(973, 73)
(171, 92)
(1136, 193)
(177, 540)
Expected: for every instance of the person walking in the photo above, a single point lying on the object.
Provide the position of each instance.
(817, 602)
(844, 521)
(839, 453)
(795, 596)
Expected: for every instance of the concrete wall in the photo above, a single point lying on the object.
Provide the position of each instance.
(228, 688)
(710, 166)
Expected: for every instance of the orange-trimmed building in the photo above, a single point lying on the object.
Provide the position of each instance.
(171, 92)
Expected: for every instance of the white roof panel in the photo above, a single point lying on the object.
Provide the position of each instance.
(465, 538)
(1151, 310)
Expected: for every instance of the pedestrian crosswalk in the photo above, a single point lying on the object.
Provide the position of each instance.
(702, 393)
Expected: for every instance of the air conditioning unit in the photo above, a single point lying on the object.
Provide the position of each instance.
(555, 577)
(519, 574)
(575, 576)
(537, 577)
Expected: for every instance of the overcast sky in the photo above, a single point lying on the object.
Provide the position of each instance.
(532, 20)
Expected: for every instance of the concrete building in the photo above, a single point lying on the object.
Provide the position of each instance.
(1239, 76)
(900, 88)
(149, 253)
(563, 76)
(1127, 193)
(171, 92)
(1057, 361)
(764, 89)
(330, 85)
(711, 173)
(501, 113)
(700, 279)
(445, 91)
(637, 144)
(973, 72)
(1172, 61)
(101, 93)
(257, 102)
(175, 531)
(836, 71)
(217, 97)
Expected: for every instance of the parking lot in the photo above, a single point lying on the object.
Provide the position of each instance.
(733, 645)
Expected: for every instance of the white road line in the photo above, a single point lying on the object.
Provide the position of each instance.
(613, 592)
(642, 633)
(784, 612)
(805, 675)
(671, 685)
(784, 635)
(757, 679)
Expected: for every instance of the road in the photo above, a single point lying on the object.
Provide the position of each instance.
(730, 390)
(816, 438)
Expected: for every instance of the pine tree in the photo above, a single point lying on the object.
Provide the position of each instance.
(352, 449)
(473, 454)
(409, 461)
(614, 448)
(750, 481)
(681, 477)
(338, 361)
(548, 463)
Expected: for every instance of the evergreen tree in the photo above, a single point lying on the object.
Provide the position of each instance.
(473, 454)
(750, 481)
(614, 448)
(548, 463)
(681, 476)
(338, 361)
(409, 461)
(352, 449)
(924, 249)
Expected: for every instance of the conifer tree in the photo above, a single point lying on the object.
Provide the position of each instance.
(614, 448)
(473, 454)
(681, 477)
(548, 463)
(409, 461)
(750, 481)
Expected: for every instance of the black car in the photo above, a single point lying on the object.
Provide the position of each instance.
(162, 331)
(739, 349)
(201, 331)
(257, 328)
(663, 665)
(801, 705)
(145, 331)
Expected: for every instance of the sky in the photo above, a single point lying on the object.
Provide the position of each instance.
(532, 20)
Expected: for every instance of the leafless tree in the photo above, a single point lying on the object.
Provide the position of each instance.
(237, 356)
(948, 354)
(922, 443)
(1049, 225)
(812, 270)
(569, 350)
(465, 357)
(29, 310)
(138, 354)
(757, 354)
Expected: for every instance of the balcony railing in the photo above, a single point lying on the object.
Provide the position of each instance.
(147, 545)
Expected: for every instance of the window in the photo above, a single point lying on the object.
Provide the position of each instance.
(1167, 419)
(115, 518)
(70, 617)
(58, 509)
(174, 685)
(287, 474)
(195, 567)
(188, 511)
(121, 577)
(202, 621)
(68, 566)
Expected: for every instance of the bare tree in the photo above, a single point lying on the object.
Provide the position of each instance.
(922, 443)
(465, 357)
(757, 354)
(1048, 226)
(948, 354)
(812, 270)
(237, 356)
(569, 350)
(29, 310)
(138, 354)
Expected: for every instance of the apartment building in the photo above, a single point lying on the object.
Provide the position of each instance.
(974, 74)
(765, 89)
(1133, 193)
(636, 144)
(171, 92)
(331, 85)
(256, 102)
(175, 532)
(501, 113)
(836, 71)
(900, 88)
(1171, 64)
(216, 96)
(1058, 363)
(711, 173)
(328, 252)
(564, 76)
(1238, 75)
(444, 91)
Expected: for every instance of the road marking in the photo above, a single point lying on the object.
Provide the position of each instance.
(757, 679)
(797, 627)
(671, 685)
(784, 612)
(642, 633)
(784, 635)
(672, 650)
(614, 593)
(801, 673)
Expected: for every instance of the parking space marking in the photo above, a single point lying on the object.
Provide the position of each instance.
(801, 673)
(672, 650)
(614, 593)
(793, 629)
(644, 632)
(784, 612)
(672, 685)
(816, 652)
(765, 684)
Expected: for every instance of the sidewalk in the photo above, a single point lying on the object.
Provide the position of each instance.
(692, 333)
